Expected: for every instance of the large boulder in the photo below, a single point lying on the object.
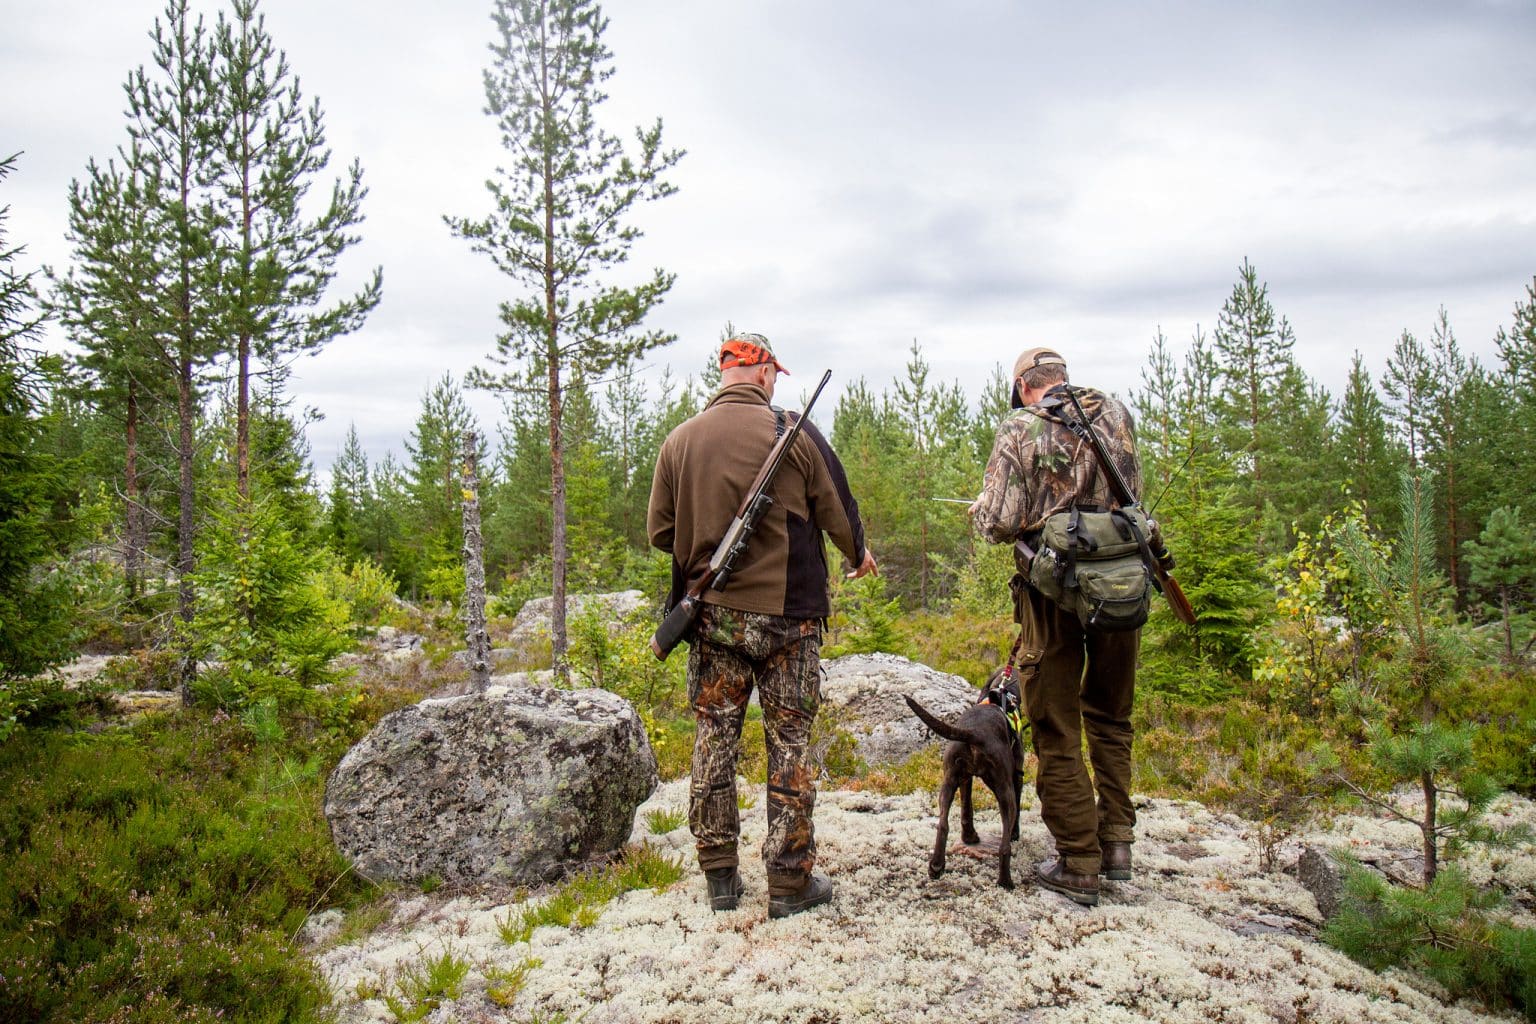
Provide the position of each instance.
(532, 621)
(863, 693)
(514, 785)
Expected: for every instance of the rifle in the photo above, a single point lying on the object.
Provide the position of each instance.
(1154, 560)
(754, 505)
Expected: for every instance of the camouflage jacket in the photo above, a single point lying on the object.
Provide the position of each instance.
(1039, 467)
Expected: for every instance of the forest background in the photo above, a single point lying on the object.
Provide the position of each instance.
(1362, 563)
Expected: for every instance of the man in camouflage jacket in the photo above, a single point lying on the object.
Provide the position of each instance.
(764, 628)
(1072, 679)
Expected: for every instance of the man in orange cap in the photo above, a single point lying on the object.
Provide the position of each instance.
(764, 628)
(1073, 679)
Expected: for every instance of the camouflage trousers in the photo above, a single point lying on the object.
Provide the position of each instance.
(731, 652)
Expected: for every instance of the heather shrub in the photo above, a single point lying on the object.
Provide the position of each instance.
(161, 874)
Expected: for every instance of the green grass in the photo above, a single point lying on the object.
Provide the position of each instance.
(422, 988)
(663, 820)
(578, 902)
(504, 983)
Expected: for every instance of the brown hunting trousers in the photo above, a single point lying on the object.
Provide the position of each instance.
(1082, 682)
(730, 653)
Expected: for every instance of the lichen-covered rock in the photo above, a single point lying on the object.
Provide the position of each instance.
(1319, 874)
(514, 785)
(864, 692)
(532, 621)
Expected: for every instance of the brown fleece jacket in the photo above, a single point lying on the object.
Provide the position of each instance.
(702, 473)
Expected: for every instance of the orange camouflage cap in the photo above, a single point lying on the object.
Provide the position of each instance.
(748, 350)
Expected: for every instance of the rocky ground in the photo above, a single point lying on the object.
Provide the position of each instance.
(1201, 934)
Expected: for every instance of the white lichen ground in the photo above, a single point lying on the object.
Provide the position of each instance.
(1199, 935)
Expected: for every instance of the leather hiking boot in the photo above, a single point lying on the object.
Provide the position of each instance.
(725, 888)
(1116, 862)
(1082, 889)
(816, 891)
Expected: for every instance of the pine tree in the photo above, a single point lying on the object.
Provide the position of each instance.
(932, 461)
(169, 116)
(1444, 440)
(277, 263)
(106, 302)
(1401, 707)
(562, 221)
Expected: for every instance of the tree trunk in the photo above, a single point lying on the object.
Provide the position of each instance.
(1431, 851)
(133, 513)
(186, 559)
(1509, 626)
(558, 553)
(477, 640)
(558, 644)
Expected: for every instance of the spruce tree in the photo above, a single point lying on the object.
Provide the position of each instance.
(34, 623)
(347, 497)
(1501, 562)
(562, 221)
(1364, 454)
(435, 448)
(1252, 346)
(1409, 381)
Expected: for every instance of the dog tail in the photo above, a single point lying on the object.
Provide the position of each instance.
(941, 727)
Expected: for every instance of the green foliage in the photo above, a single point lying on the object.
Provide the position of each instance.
(981, 586)
(423, 987)
(662, 820)
(504, 983)
(1328, 620)
(863, 620)
(265, 614)
(1501, 563)
(578, 902)
(1401, 704)
(161, 874)
(34, 602)
(1447, 930)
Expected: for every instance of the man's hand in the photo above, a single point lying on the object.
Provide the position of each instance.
(865, 567)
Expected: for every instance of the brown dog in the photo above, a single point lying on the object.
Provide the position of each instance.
(984, 743)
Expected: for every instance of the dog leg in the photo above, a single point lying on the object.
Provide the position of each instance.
(941, 841)
(968, 833)
(1008, 804)
(1018, 801)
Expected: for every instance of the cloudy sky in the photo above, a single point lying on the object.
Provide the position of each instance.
(979, 176)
